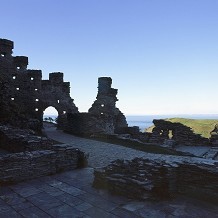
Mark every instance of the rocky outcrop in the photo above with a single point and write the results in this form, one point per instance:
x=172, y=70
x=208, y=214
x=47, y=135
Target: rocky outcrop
x=159, y=178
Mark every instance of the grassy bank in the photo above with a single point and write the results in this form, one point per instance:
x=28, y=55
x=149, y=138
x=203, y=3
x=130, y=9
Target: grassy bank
x=199, y=126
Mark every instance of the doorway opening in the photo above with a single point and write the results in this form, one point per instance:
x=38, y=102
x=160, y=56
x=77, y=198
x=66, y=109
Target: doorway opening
x=50, y=115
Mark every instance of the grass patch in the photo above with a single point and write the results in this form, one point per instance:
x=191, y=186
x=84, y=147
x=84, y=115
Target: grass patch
x=199, y=126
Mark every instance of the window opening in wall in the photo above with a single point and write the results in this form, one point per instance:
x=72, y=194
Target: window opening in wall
x=17, y=88
x=36, y=109
x=102, y=105
x=12, y=99
x=58, y=101
x=170, y=135
x=32, y=78
x=37, y=99
x=14, y=77
x=36, y=89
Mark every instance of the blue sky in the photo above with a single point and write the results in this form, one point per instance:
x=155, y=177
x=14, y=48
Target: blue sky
x=161, y=54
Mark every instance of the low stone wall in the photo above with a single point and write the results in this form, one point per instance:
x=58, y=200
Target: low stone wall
x=17, y=140
x=33, y=156
x=158, y=179
x=29, y=165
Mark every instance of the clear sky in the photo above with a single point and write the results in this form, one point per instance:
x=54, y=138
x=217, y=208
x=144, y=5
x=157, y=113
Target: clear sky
x=161, y=54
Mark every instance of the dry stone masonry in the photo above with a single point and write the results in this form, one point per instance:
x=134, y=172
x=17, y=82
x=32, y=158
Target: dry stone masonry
x=33, y=156
x=161, y=178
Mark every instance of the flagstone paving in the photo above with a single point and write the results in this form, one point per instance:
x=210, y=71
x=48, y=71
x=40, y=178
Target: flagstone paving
x=70, y=194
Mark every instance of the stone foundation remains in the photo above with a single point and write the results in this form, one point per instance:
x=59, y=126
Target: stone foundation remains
x=180, y=133
x=158, y=178
x=32, y=156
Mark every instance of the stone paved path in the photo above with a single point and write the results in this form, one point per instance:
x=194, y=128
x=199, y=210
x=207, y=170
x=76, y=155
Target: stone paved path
x=70, y=194
x=100, y=153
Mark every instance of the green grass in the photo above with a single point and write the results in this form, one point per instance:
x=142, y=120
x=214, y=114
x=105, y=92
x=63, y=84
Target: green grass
x=199, y=126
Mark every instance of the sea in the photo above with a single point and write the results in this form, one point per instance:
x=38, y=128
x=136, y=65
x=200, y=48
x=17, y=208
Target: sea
x=145, y=121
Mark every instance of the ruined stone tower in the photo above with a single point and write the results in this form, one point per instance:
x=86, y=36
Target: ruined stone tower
x=103, y=117
x=106, y=98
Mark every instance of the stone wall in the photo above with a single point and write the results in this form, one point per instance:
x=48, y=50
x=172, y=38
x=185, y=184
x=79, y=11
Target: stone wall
x=29, y=165
x=103, y=117
x=86, y=124
x=181, y=134
x=214, y=136
x=24, y=95
x=34, y=156
x=18, y=140
x=159, y=178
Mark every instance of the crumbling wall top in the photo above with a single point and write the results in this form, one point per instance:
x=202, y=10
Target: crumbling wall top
x=6, y=42
x=21, y=62
x=6, y=47
x=56, y=78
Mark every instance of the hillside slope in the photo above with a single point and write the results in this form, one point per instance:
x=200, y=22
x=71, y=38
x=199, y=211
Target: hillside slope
x=199, y=126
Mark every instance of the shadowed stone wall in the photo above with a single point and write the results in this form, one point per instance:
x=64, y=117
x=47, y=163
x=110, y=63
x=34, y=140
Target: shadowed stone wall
x=103, y=117
x=158, y=178
x=24, y=95
x=33, y=156
x=181, y=134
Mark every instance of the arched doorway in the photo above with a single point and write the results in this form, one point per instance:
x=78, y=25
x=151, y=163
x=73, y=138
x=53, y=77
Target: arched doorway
x=50, y=116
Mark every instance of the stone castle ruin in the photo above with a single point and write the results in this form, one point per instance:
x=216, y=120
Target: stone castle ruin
x=103, y=117
x=25, y=95
x=180, y=133
x=23, y=98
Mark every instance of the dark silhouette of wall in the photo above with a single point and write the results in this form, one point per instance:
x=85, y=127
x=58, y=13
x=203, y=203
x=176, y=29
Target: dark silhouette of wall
x=24, y=95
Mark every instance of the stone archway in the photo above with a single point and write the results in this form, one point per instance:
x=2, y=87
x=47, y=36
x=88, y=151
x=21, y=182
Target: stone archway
x=50, y=114
x=61, y=114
